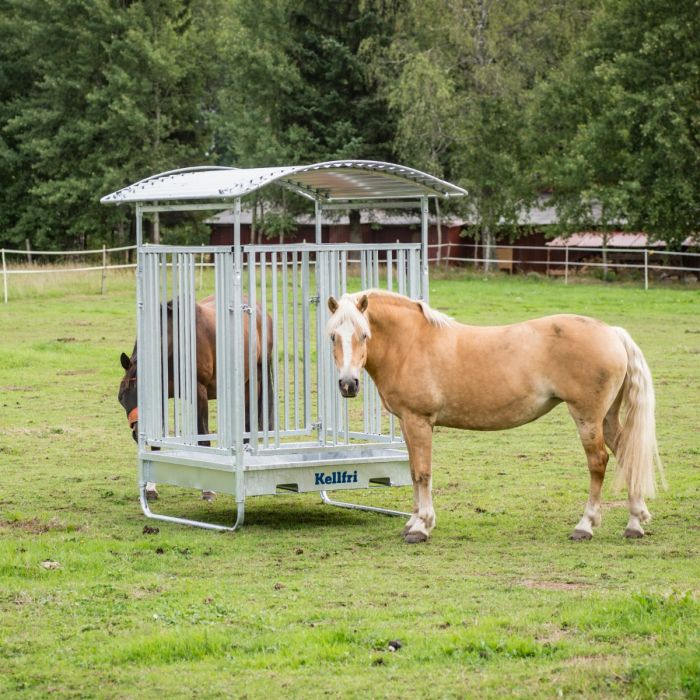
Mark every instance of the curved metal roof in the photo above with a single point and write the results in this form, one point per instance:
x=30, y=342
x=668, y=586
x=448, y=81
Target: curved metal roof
x=338, y=180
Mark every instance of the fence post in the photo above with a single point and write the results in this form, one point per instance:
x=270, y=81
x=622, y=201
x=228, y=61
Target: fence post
x=29, y=251
x=566, y=265
x=646, y=269
x=104, y=267
x=4, y=275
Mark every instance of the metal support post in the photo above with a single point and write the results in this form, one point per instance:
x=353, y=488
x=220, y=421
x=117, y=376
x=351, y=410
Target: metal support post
x=425, y=292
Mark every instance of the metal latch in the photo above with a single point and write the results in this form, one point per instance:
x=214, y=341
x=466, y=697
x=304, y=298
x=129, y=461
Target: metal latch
x=315, y=299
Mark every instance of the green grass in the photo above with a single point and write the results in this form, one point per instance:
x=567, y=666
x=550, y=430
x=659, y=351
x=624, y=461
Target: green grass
x=303, y=601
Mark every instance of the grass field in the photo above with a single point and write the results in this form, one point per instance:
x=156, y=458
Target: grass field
x=303, y=602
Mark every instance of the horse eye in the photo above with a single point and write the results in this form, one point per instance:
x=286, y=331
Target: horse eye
x=332, y=337
x=363, y=336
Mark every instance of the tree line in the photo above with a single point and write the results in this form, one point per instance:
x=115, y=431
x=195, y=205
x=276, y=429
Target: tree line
x=594, y=102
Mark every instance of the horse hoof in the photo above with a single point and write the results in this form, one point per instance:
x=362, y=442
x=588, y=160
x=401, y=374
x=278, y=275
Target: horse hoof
x=208, y=496
x=415, y=537
x=151, y=495
x=580, y=535
x=633, y=534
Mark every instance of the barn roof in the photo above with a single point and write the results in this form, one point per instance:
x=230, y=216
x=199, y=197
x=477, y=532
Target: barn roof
x=338, y=180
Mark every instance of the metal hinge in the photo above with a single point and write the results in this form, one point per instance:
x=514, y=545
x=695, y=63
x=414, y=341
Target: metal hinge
x=315, y=299
x=317, y=426
x=247, y=309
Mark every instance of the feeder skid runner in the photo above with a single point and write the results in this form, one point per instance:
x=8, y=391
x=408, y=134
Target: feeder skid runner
x=279, y=424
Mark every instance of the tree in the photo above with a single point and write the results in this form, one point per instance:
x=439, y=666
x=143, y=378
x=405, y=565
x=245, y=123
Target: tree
x=459, y=77
x=622, y=119
x=113, y=91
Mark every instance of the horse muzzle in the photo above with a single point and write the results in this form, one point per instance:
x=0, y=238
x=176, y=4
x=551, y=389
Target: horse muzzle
x=133, y=418
x=349, y=387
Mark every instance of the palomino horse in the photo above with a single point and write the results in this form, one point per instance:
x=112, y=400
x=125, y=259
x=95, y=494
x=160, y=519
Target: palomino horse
x=431, y=370
x=205, y=322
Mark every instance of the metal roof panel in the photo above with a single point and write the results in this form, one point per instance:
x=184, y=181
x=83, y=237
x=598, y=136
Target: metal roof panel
x=326, y=182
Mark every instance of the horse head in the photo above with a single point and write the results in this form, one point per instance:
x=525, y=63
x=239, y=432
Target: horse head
x=128, y=396
x=348, y=329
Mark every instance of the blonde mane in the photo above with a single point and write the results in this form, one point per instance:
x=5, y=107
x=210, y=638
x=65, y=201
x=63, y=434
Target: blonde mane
x=347, y=310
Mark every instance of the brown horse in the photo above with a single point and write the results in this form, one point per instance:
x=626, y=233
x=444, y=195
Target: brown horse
x=205, y=329
x=431, y=370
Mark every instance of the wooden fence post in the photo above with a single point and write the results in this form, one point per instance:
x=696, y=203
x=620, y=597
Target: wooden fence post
x=104, y=267
x=4, y=275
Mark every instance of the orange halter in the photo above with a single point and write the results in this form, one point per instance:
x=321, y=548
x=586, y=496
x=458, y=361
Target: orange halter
x=133, y=417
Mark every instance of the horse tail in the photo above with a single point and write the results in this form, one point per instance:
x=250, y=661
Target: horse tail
x=636, y=450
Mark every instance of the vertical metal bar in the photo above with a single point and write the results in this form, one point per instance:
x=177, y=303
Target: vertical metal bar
x=424, y=294
x=566, y=265
x=306, y=335
x=177, y=393
x=295, y=335
x=343, y=274
x=237, y=354
x=285, y=336
x=389, y=271
x=335, y=396
x=401, y=270
x=265, y=359
x=252, y=351
x=164, y=340
x=318, y=221
x=274, y=389
x=140, y=379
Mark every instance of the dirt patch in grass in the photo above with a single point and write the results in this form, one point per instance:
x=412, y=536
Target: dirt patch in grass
x=34, y=526
x=73, y=372
x=554, y=585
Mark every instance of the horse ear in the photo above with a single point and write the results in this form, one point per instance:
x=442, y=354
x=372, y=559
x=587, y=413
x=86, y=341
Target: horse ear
x=332, y=305
x=125, y=361
x=362, y=304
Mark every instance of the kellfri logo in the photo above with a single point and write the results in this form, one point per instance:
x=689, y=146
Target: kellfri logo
x=323, y=479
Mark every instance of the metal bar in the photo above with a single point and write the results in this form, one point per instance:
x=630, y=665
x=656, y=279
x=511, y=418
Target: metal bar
x=357, y=506
x=240, y=515
x=253, y=378
x=295, y=336
x=306, y=335
x=318, y=226
x=218, y=206
x=425, y=292
x=265, y=360
x=285, y=337
x=274, y=390
x=163, y=273
x=237, y=354
x=373, y=204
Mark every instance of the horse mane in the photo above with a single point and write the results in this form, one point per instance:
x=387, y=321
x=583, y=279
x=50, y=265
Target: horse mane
x=432, y=316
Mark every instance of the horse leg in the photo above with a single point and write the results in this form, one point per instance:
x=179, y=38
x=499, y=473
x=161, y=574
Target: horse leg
x=414, y=515
x=203, y=427
x=591, y=433
x=419, y=436
x=637, y=507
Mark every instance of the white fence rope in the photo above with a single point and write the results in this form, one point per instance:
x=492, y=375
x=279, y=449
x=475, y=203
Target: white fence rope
x=551, y=260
